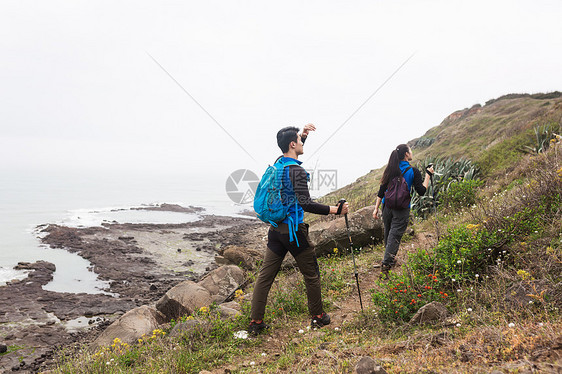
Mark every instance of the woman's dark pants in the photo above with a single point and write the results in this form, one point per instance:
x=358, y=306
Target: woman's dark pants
x=395, y=223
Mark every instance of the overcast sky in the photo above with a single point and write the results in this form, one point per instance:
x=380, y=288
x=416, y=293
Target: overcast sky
x=78, y=85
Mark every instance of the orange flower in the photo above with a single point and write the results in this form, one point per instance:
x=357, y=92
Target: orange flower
x=419, y=295
x=445, y=295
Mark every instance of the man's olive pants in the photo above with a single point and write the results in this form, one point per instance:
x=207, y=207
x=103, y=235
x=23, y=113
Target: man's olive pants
x=277, y=247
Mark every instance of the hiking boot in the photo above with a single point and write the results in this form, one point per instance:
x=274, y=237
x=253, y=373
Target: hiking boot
x=323, y=320
x=384, y=271
x=257, y=328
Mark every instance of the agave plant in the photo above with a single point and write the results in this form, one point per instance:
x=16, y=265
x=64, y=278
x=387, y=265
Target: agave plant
x=543, y=134
x=447, y=171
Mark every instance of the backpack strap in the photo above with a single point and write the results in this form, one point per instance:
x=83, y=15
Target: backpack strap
x=293, y=224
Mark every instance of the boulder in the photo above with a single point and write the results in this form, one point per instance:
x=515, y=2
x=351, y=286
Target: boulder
x=232, y=305
x=222, y=282
x=367, y=365
x=432, y=312
x=183, y=327
x=131, y=326
x=185, y=298
x=363, y=228
x=246, y=258
x=227, y=313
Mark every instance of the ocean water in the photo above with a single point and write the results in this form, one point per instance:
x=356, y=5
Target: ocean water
x=89, y=198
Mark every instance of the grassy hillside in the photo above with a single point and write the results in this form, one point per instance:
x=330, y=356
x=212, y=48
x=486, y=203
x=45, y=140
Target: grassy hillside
x=494, y=136
x=494, y=263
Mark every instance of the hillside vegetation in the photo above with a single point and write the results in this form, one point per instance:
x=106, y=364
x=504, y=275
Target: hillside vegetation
x=491, y=253
x=494, y=136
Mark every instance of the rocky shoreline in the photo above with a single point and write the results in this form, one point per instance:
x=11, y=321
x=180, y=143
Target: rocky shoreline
x=141, y=262
x=144, y=264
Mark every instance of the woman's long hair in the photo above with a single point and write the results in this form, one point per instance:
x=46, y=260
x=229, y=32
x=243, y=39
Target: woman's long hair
x=393, y=167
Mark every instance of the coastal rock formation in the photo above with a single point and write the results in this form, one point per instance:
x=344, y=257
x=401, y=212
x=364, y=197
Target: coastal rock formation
x=39, y=320
x=222, y=282
x=185, y=298
x=131, y=326
x=333, y=234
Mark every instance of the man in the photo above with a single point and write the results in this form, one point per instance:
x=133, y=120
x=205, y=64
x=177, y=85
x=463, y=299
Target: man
x=280, y=239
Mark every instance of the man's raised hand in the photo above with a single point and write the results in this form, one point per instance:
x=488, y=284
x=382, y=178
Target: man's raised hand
x=307, y=128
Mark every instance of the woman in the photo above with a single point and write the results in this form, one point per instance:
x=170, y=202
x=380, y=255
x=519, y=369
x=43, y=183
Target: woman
x=396, y=219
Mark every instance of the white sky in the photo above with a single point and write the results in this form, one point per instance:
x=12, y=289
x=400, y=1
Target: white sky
x=77, y=86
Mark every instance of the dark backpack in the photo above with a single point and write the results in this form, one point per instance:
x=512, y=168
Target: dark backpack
x=397, y=195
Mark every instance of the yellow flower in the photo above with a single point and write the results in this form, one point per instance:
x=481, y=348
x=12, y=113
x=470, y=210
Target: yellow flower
x=472, y=227
x=204, y=309
x=239, y=294
x=188, y=318
x=523, y=274
x=559, y=172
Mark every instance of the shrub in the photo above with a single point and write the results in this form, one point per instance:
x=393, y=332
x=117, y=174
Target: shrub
x=461, y=194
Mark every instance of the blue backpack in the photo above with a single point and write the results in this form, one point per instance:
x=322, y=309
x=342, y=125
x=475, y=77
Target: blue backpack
x=268, y=202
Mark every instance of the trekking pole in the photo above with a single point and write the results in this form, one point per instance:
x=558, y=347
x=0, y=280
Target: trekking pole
x=342, y=201
x=433, y=203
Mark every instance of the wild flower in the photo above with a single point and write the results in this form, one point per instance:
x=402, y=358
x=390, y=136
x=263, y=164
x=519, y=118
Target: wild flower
x=239, y=294
x=511, y=325
x=469, y=310
x=523, y=274
x=459, y=261
x=335, y=251
x=203, y=309
x=301, y=331
x=458, y=325
x=473, y=227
